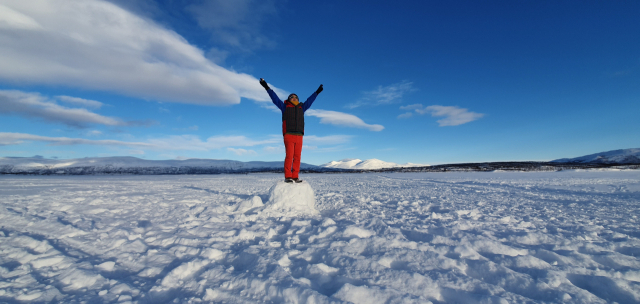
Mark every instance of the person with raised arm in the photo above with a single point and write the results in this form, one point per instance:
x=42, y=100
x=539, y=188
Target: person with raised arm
x=292, y=128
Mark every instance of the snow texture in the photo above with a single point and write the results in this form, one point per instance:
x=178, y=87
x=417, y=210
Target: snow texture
x=508, y=237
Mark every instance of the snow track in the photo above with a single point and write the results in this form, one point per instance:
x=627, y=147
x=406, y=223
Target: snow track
x=569, y=237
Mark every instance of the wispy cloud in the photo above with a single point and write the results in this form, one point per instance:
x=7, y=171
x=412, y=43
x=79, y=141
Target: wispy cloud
x=192, y=128
x=274, y=149
x=405, y=115
x=7, y=139
x=181, y=142
x=242, y=151
x=86, y=103
x=384, y=95
x=235, y=144
x=94, y=44
x=453, y=116
x=94, y=133
x=194, y=143
x=343, y=119
x=327, y=140
x=34, y=105
x=412, y=107
x=236, y=24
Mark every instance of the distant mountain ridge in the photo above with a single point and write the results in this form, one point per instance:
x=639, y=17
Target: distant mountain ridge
x=369, y=164
x=621, y=156
x=134, y=165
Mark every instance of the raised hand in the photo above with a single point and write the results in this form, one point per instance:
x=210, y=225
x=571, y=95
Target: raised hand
x=264, y=84
x=319, y=89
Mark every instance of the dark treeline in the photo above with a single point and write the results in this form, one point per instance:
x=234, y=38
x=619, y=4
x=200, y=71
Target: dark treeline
x=509, y=166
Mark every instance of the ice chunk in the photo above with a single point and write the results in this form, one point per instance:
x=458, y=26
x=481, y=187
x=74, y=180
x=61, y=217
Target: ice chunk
x=291, y=199
x=47, y=262
x=284, y=261
x=328, y=222
x=107, y=266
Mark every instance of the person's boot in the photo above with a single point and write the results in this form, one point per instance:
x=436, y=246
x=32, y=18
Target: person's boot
x=297, y=180
x=288, y=180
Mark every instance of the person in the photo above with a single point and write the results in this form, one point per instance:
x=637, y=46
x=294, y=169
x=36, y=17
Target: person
x=292, y=128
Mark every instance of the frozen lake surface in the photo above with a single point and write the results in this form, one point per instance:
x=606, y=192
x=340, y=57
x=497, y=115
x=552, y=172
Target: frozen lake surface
x=570, y=237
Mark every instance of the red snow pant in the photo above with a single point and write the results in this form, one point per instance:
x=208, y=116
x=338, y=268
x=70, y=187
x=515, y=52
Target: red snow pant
x=293, y=145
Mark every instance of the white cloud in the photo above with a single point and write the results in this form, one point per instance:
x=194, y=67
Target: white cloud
x=405, y=115
x=33, y=105
x=93, y=44
x=181, y=142
x=384, y=95
x=87, y=103
x=242, y=151
x=7, y=139
x=186, y=143
x=454, y=116
x=10, y=18
x=343, y=119
x=272, y=149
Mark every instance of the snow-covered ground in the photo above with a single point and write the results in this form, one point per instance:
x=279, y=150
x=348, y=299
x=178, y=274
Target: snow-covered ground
x=571, y=237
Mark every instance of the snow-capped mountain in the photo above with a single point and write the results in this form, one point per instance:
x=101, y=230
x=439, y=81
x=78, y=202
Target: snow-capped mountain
x=369, y=164
x=133, y=165
x=622, y=156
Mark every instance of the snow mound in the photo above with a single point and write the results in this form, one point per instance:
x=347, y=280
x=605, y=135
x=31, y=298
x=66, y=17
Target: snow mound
x=291, y=199
x=347, y=163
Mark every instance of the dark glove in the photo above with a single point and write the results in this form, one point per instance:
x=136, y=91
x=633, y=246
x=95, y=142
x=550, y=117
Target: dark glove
x=319, y=90
x=264, y=84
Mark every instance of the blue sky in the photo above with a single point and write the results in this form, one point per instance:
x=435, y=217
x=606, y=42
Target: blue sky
x=427, y=82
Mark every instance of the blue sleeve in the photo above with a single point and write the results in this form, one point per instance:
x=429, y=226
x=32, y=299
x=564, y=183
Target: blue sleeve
x=276, y=100
x=307, y=104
